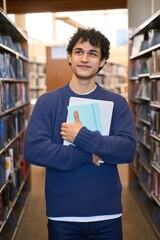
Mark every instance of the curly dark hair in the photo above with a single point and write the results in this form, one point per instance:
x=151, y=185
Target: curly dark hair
x=96, y=39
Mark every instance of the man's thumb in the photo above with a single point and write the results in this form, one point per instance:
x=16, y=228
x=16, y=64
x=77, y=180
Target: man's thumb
x=76, y=116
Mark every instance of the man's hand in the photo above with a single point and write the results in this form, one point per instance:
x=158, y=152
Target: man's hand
x=70, y=130
x=96, y=160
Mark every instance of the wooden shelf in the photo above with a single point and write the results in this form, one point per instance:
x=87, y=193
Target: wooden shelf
x=113, y=77
x=144, y=99
x=14, y=115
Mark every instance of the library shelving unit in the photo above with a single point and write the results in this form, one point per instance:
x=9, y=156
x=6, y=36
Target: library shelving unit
x=14, y=114
x=144, y=99
x=37, y=79
x=113, y=77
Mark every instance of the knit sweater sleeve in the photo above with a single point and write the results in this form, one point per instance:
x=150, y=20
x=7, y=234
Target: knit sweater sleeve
x=41, y=148
x=119, y=147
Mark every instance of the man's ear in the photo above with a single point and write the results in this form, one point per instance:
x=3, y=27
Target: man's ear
x=69, y=59
x=102, y=63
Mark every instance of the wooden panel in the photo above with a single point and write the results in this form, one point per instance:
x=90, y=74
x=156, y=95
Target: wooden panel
x=33, y=6
x=58, y=71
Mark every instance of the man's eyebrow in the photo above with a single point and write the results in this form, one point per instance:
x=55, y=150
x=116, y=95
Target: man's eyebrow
x=91, y=50
x=78, y=48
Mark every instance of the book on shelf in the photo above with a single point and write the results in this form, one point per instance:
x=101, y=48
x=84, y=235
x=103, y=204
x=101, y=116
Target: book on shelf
x=144, y=112
x=135, y=69
x=1, y=42
x=154, y=90
x=158, y=91
x=146, y=180
x=144, y=155
x=5, y=199
x=3, y=132
x=18, y=47
x=155, y=147
x=155, y=122
x=155, y=63
x=144, y=45
x=136, y=44
x=1, y=210
x=7, y=41
x=145, y=134
x=102, y=113
x=155, y=37
x=155, y=93
x=144, y=89
x=2, y=170
x=8, y=167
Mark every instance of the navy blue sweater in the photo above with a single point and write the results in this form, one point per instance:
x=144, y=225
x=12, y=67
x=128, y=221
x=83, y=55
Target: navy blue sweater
x=74, y=186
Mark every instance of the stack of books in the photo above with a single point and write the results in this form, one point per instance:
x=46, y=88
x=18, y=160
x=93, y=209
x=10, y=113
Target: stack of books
x=95, y=115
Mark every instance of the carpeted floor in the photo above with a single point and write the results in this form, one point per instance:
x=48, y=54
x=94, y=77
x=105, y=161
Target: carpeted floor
x=33, y=224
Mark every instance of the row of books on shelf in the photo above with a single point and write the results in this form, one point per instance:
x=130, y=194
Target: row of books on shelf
x=114, y=69
x=141, y=42
x=11, y=125
x=146, y=88
x=12, y=95
x=147, y=65
x=110, y=80
x=141, y=89
x=37, y=81
x=12, y=67
x=38, y=68
x=149, y=123
x=13, y=170
x=10, y=160
x=16, y=46
x=143, y=113
x=9, y=191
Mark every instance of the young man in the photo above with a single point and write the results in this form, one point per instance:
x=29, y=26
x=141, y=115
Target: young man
x=83, y=196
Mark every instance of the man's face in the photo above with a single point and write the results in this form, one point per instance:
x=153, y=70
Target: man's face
x=85, y=60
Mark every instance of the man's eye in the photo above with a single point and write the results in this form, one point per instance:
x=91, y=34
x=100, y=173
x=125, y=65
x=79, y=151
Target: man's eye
x=93, y=54
x=78, y=52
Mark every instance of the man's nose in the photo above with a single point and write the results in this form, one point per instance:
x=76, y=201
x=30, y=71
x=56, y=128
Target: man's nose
x=85, y=57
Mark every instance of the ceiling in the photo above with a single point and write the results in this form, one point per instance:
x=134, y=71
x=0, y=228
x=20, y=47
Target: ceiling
x=37, y=6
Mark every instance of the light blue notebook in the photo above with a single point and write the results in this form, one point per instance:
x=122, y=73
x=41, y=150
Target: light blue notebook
x=103, y=114
x=89, y=115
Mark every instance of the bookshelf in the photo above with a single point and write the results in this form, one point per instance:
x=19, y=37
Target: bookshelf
x=113, y=77
x=14, y=114
x=144, y=99
x=37, y=79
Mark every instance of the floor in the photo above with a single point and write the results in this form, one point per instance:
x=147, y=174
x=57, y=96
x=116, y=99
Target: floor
x=33, y=224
